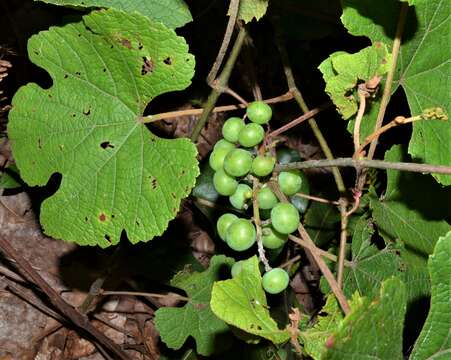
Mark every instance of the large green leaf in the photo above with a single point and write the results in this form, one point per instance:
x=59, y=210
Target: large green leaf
x=250, y=9
x=195, y=318
x=241, y=302
x=411, y=214
x=423, y=69
x=373, y=329
x=370, y=266
x=172, y=13
x=435, y=338
x=116, y=175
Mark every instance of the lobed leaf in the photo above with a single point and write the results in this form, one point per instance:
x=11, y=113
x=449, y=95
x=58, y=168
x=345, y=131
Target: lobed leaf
x=241, y=302
x=195, y=318
x=434, y=341
x=172, y=13
x=116, y=175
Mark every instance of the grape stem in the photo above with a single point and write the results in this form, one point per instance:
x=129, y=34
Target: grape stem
x=365, y=163
x=316, y=198
x=316, y=255
x=144, y=294
x=255, y=208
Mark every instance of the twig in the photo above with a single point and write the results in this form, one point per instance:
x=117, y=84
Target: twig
x=145, y=294
x=233, y=11
x=237, y=96
x=389, y=82
x=364, y=163
x=290, y=262
x=196, y=112
x=343, y=237
x=358, y=120
x=317, y=199
x=250, y=68
x=320, y=251
x=308, y=115
x=312, y=122
x=220, y=83
x=255, y=208
x=77, y=318
x=315, y=253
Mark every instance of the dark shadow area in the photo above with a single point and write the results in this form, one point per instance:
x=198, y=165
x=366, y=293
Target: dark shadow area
x=416, y=315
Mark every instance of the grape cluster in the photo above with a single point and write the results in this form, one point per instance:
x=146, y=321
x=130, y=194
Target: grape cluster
x=235, y=159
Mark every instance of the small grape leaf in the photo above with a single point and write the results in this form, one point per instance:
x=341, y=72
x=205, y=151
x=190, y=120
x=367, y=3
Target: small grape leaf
x=435, y=338
x=411, y=217
x=172, y=13
x=241, y=302
x=373, y=329
x=250, y=9
x=195, y=318
x=329, y=318
x=370, y=266
x=116, y=175
x=423, y=66
x=343, y=72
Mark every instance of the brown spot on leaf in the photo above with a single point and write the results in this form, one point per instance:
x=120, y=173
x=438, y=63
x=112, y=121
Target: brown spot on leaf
x=66, y=76
x=39, y=143
x=330, y=342
x=78, y=73
x=140, y=46
x=173, y=195
x=200, y=306
x=168, y=61
x=127, y=43
x=147, y=66
x=87, y=111
x=153, y=182
x=102, y=217
x=86, y=218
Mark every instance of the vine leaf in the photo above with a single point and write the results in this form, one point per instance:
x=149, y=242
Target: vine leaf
x=195, y=318
x=401, y=220
x=321, y=222
x=172, y=13
x=342, y=73
x=373, y=329
x=241, y=302
x=250, y=9
x=370, y=265
x=435, y=338
x=423, y=66
x=315, y=338
x=116, y=175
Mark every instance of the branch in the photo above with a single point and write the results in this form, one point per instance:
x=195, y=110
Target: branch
x=255, y=208
x=343, y=236
x=220, y=83
x=377, y=164
x=77, y=318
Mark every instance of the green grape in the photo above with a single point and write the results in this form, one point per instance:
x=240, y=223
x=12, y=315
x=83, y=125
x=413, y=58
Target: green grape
x=285, y=218
x=241, y=235
x=223, y=143
x=266, y=198
x=290, y=182
x=240, y=197
x=275, y=281
x=251, y=135
x=231, y=129
x=259, y=112
x=263, y=165
x=217, y=157
x=223, y=224
x=236, y=268
x=286, y=155
x=273, y=239
x=238, y=162
x=224, y=183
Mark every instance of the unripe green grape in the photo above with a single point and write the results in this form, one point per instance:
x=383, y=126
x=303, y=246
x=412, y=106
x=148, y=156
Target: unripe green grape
x=272, y=239
x=238, y=162
x=266, y=198
x=285, y=218
x=259, y=112
x=240, y=197
x=236, y=268
x=251, y=135
x=241, y=235
x=223, y=143
x=217, y=157
x=286, y=155
x=263, y=165
x=224, y=183
x=223, y=224
x=290, y=182
x=231, y=129
x=275, y=281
